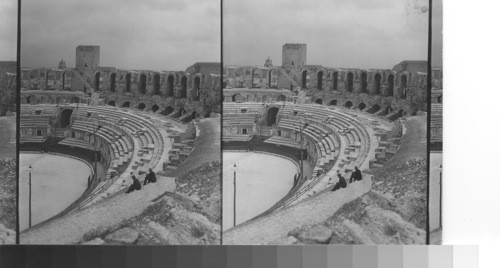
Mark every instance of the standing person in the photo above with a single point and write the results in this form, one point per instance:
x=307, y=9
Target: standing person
x=136, y=185
x=356, y=175
x=150, y=177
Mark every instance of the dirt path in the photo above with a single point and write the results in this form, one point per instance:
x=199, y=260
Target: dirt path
x=71, y=228
x=311, y=211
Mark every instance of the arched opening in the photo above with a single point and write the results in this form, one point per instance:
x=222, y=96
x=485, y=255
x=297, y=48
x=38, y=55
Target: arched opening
x=403, y=84
x=156, y=84
x=335, y=78
x=196, y=88
x=128, y=79
x=167, y=111
x=142, y=84
x=271, y=116
x=97, y=81
x=42, y=99
x=112, y=103
x=333, y=102
x=66, y=117
x=440, y=99
x=126, y=104
x=59, y=100
x=155, y=108
x=183, y=87
x=348, y=104
x=194, y=115
x=318, y=101
x=320, y=80
x=375, y=108
x=281, y=98
x=29, y=99
x=250, y=98
x=390, y=85
x=170, y=86
x=364, y=82
x=112, y=82
x=350, y=82
x=64, y=80
x=376, y=85
x=237, y=97
x=362, y=106
x=75, y=100
x=269, y=78
x=141, y=106
x=304, y=79
x=252, y=81
x=265, y=98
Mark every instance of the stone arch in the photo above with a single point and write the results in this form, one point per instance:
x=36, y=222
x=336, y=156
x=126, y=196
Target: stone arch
x=348, y=104
x=112, y=103
x=304, y=79
x=64, y=79
x=272, y=116
x=97, y=81
x=402, y=86
x=167, y=111
x=142, y=84
x=30, y=99
x=335, y=78
x=364, y=82
x=126, y=104
x=183, y=87
x=237, y=97
x=376, y=85
x=320, y=80
x=350, y=82
x=128, y=79
x=170, y=86
x=112, y=82
x=155, y=108
x=75, y=100
x=333, y=103
x=265, y=98
x=196, y=88
x=141, y=106
x=156, y=84
x=281, y=98
x=59, y=100
x=390, y=85
x=318, y=101
x=66, y=117
x=250, y=97
x=362, y=106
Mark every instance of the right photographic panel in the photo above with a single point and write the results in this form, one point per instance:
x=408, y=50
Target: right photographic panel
x=325, y=122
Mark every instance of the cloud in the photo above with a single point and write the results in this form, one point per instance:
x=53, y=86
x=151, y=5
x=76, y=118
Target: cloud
x=152, y=35
x=8, y=30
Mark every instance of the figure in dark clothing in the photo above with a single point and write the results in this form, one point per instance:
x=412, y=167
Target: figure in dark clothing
x=136, y=185
x=150, y=177
x=341, y=183
x=356, y=175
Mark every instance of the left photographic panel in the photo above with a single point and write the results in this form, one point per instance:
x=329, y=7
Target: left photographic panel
x=120, y=122
x=8, y=70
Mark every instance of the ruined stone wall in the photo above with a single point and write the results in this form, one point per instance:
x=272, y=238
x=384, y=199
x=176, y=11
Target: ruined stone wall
x=205, y=68
x=257, y=95
x=87, y=58
x=8, y=87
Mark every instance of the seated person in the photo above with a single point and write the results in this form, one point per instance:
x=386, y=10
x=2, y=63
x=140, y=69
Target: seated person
x=150, y=177
x=341, y=183
x=136, y=185
x=356, y=175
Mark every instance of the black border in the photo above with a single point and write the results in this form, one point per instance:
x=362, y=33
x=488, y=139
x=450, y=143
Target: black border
x=429, y=103
x=18, y=112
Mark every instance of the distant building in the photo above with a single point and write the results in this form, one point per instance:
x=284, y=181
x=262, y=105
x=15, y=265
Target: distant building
x=268, y=63
x=294, y=55
x=62, y=65
x=411, y=66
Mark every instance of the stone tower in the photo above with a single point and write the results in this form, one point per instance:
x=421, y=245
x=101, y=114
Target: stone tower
x=268, y=63
x=62, y=65
x=294, y=55
x=87, y=58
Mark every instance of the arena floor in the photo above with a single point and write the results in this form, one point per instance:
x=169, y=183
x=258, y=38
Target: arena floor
x=57, y=182
x=261, y=181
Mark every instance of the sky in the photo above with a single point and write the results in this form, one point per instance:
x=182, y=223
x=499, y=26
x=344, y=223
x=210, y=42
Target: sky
x=144, y=35
x=8, y=30
x=437, y=33
x=338, y=33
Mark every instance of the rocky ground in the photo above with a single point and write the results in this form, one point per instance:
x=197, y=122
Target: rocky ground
x=7, y=180
x=392, y=212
